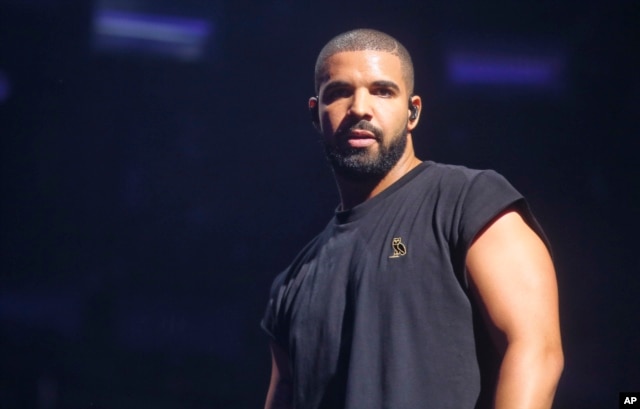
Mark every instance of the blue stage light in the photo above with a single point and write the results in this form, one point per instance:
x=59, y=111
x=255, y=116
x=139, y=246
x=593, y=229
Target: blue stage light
x=124, y=31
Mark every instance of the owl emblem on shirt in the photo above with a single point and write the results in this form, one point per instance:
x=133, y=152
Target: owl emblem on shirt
x=399, y=249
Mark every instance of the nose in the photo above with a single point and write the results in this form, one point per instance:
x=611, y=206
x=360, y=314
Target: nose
x=360, y=104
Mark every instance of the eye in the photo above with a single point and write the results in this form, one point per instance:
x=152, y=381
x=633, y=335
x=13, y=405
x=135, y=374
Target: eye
x=384, y=92
x=333, y=94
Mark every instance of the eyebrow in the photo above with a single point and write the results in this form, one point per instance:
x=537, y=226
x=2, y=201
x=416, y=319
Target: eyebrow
x=386, y=84
x=337, y=84
x=379, y=84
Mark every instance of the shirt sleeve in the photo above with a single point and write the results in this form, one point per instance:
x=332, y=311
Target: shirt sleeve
x=489, y=194
x=269, y=322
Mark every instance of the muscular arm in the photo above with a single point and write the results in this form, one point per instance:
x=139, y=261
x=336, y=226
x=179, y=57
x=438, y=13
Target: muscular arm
x=279, y=395
x=514, y=278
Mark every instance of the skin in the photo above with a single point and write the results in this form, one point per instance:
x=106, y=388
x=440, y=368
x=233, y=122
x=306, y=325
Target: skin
x=367, y=86
x=515, y=282
x=512, y=276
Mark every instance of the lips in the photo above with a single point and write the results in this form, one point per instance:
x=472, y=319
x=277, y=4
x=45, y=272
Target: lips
x=360, y=134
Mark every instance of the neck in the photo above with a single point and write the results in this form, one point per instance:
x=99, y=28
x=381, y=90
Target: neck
x=352, y=193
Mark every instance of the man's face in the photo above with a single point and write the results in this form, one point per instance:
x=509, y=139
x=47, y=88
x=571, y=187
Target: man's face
x=363, y=108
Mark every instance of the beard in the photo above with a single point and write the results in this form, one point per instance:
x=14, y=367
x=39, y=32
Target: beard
x=363, y=164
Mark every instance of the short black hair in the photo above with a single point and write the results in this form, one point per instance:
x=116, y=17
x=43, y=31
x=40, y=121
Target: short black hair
x=360, y=40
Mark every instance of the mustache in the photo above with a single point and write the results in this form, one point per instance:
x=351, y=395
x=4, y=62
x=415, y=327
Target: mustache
x=360, y=125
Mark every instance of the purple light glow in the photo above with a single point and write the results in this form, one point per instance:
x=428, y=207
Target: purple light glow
x=180, y=37
x=5, y=87
x=501, y=69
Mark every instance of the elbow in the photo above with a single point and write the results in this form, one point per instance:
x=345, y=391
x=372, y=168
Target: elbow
x=544, y=361
x=555, y=362
x=551, y=371
x=550, y=364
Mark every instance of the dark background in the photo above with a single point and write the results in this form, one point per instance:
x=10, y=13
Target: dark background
x=149, y=199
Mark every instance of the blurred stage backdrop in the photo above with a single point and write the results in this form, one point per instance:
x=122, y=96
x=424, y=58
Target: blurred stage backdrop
x=159, y=169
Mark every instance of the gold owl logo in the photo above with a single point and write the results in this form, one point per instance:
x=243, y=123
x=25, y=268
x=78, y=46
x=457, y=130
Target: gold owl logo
x=399, y=249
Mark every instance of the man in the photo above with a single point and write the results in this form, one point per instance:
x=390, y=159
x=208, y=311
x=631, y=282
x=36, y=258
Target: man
x=432, y=287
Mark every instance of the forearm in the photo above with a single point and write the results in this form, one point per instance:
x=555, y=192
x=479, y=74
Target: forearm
x=279, y=396
x=528, y=376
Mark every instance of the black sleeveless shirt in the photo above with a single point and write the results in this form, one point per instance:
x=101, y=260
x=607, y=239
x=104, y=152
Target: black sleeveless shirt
x=375, y=311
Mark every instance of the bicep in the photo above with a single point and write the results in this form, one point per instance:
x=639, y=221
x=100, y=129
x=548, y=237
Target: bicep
x=513, y=275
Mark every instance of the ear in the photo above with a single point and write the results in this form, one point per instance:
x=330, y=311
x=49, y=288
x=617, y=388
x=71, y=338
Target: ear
x=313, y=111
x=414, y=111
